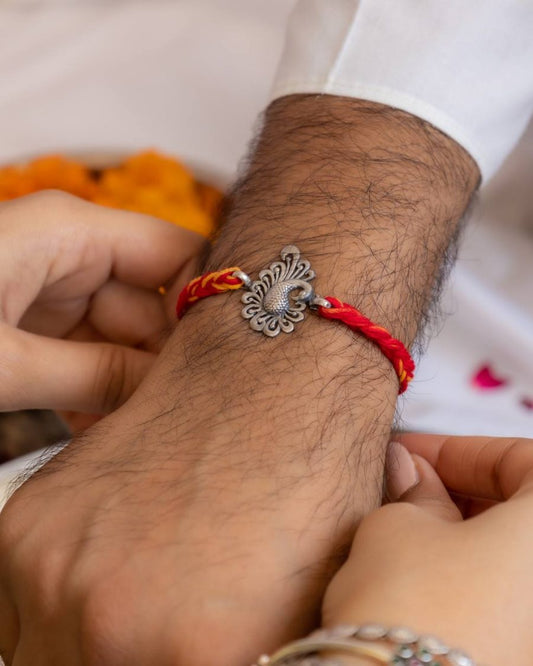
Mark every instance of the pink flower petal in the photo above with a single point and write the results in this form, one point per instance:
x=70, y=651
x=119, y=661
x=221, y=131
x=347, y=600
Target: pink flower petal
x=485, y=379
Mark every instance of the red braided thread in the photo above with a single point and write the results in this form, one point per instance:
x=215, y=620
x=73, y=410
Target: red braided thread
x=221, y=281
x=206, y=285
x=393, y=349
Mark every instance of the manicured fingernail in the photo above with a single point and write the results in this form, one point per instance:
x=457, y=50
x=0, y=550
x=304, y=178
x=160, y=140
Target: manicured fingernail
x=401, y=472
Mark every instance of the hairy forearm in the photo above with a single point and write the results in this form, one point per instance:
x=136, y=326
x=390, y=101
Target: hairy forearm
x=372, y=197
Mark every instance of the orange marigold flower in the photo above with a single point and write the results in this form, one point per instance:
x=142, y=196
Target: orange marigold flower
x=52, y=172
x=147, y=182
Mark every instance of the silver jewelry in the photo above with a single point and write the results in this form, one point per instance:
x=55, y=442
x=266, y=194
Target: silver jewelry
x=313, y=661
x=396, y=646
x=278, y=298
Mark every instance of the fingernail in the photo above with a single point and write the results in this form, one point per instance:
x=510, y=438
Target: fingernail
x=401, y=472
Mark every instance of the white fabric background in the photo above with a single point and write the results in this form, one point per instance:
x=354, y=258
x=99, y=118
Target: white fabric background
x=190, y=77
x=489, y=302
x=187, y=75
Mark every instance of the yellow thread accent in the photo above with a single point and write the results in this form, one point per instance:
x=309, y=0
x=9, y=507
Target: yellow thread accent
x=228, y=287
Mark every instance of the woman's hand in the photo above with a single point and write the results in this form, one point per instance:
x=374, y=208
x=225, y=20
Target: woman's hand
x=419, y=563
x=80, y=314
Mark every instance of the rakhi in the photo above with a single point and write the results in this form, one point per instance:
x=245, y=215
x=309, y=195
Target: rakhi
x=278, y=299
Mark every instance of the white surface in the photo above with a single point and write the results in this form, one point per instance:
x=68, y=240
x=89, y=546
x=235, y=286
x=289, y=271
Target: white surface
x=490, y=305
x=190, y=77
x=187, y=75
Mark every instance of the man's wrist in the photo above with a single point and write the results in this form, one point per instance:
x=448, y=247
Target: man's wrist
x=371, y=195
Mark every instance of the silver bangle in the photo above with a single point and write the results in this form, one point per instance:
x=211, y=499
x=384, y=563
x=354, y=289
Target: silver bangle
x=397, y=646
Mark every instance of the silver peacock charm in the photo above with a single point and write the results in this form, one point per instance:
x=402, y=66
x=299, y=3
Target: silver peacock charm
x=278, y=298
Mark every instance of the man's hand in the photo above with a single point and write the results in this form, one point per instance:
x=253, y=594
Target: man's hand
x=200, y=523
x=80, y=315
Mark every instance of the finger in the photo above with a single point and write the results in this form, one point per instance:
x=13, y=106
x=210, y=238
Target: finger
x=50, y=237
x=129, y=315
x=490, y=468
x=154, y=250
x=430, y=493
x=470, y=506
x=84, y=332
x=401, y=473
x=46, y=373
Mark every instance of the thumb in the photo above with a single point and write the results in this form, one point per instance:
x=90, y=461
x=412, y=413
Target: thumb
x=46, y=373
x=412, y=479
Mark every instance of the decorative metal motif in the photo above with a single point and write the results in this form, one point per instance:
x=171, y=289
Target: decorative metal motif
x=278, y=299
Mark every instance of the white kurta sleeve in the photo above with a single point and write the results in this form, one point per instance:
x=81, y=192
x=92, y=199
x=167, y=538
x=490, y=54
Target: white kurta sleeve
x=465, y=66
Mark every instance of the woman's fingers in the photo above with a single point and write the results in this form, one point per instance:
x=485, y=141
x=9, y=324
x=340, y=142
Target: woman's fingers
x=130, y=316
x=68, y=265
x=38, y=372
x=117, y=312
x=401, y=473
x=63, y=249
x=412, y=479
x=431, y=494
x=146, y=252
x=492, y=468
x=471, y=506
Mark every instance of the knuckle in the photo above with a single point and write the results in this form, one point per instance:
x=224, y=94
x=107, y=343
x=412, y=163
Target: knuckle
x=516, y=452
x=54, y=200
x=394, y=513
x=445, y=509
x=46, y=203
x=53, y=207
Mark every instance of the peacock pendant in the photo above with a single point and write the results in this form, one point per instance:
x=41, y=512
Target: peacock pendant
x=279, y=297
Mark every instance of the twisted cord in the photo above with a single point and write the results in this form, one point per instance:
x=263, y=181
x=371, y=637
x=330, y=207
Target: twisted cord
x=390, y=347
x=207, y=285
x=393, y=349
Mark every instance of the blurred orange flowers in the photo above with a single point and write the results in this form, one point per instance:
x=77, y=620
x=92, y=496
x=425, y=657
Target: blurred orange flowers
x=147, y=182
